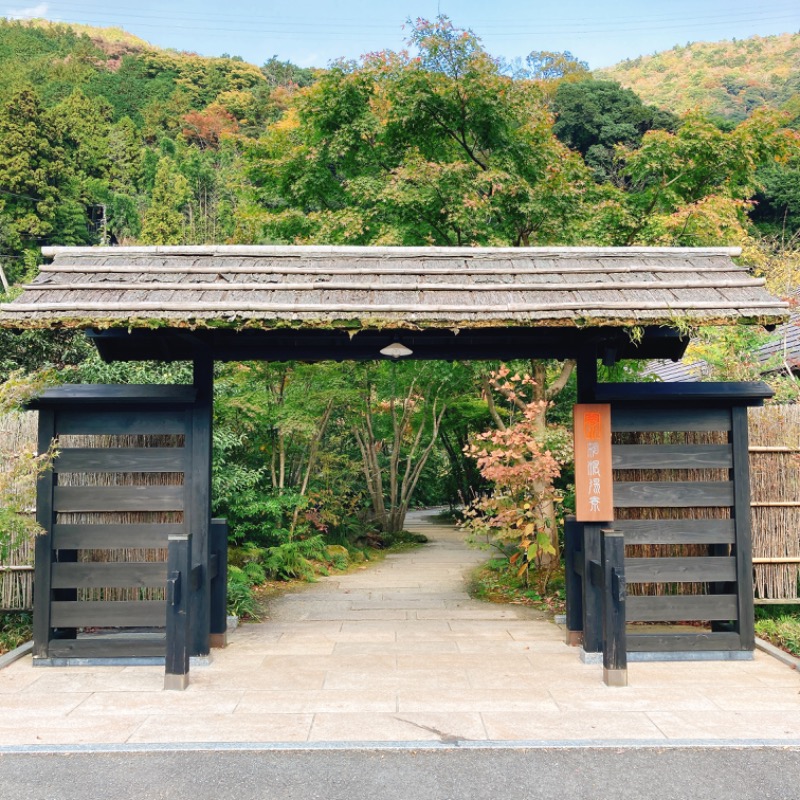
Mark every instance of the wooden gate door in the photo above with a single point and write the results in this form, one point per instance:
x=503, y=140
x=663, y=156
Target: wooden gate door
x=681, y=497
x=120, y=485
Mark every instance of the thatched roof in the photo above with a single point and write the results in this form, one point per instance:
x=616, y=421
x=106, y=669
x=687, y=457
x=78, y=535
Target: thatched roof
x=374, y=288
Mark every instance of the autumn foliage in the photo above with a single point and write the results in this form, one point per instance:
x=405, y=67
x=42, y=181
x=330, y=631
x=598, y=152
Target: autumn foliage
x=206, y=128
x=521, y=464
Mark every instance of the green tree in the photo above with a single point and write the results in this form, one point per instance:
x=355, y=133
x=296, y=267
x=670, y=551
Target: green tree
x=284, y=73
x=32, y=169
x=593, y=116
x=545, y=66
x=435, y=148
x=395, y=422
x=693, y=187
x=164, y=221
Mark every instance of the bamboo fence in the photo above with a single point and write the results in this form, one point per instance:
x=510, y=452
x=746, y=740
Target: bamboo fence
x=117, y=555
x=17, y=434
x=775, y=499
x=669, y=475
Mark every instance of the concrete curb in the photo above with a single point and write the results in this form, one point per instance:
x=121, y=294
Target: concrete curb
x=785, y=658
x=16, y=654
x=656, y=745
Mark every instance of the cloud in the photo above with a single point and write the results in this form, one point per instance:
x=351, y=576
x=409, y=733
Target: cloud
x=32, y=12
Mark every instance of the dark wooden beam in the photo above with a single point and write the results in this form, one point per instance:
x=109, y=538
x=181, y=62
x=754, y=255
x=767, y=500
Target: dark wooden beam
x=684, y=393
x=365, y=345
x=573, y=562
x=199, y=506
x=592, y=593
x=615, y=655
x=743, y=550
x=587, y=375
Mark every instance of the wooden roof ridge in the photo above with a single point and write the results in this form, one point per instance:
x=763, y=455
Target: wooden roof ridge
x=383, y=252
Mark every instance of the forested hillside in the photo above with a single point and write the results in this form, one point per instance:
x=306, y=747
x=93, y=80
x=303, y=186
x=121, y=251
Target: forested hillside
x=723, y=79
x=105, y=138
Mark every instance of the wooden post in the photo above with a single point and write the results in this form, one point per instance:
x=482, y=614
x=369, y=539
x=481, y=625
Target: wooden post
x=615, y=655
x=573, y=572
x=42, y=630
x=743, y=548
x=218, y=567
x=179, y=567
x=587, y=376
x=592, y=589
x=199, y=521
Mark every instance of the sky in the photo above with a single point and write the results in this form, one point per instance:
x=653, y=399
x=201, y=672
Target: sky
x=316, y=32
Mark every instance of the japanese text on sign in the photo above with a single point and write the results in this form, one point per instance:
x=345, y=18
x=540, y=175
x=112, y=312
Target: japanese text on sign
x=593, y=475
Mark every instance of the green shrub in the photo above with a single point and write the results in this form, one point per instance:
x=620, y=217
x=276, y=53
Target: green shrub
x=255, y=573
x=16, y=628
x=245, y=554
x=783, y=632
x=241, y=598
x=404, y=537
x=340, y=562
x=291, y=559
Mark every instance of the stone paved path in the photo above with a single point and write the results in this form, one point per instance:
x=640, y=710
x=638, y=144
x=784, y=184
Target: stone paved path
x=398, y=652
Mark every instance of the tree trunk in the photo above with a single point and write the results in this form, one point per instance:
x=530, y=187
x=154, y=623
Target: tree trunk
x=402, y=481
x=312, y=456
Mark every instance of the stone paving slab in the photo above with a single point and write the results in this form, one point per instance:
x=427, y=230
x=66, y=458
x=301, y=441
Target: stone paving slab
x=399, y=652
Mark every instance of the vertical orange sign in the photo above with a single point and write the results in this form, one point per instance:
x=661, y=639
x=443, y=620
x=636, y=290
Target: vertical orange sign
x=594, y=480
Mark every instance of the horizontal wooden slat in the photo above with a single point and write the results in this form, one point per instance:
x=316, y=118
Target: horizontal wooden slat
x=682, y=642
x=92, y=423
x=107, y=647
x=92, y=576
x=696, y=569
x=108, y=614
x=122, y=394
x=118, y=498
x=672, y=494
x=656, y=419
x=676, y=531
x=770, y=601
x=120, y=459
x=777, y=449
x=680, y=608
x=682, y=394
x=99, y=537
x=671, y=456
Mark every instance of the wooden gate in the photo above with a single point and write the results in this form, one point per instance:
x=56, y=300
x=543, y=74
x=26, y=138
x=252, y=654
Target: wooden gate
x=120, y=485
x=682, y=505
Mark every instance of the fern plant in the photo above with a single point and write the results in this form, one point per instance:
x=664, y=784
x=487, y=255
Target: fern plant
x=241, y=598
x=292, y=558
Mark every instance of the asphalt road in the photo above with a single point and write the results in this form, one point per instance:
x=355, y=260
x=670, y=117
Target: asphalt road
x=407, y=773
